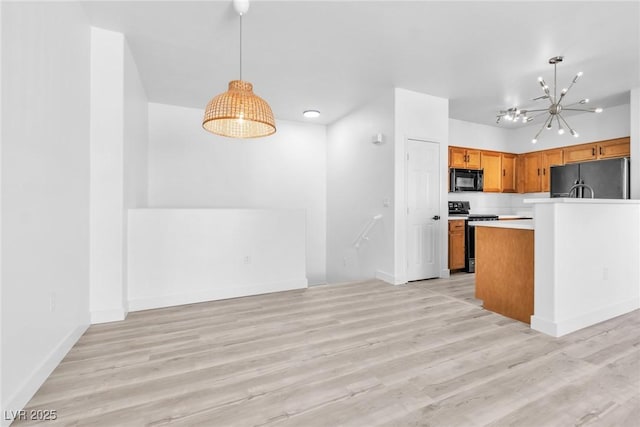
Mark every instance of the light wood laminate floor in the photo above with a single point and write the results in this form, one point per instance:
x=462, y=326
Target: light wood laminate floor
x=359, y=354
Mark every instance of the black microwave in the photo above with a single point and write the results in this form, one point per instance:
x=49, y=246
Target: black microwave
x=466, y=179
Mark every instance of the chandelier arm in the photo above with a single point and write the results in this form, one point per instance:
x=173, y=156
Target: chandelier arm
x=566, y=91
x=560, y=131
x=535, y=111
x=572, y=130
x=544, y=125
x=588, y=110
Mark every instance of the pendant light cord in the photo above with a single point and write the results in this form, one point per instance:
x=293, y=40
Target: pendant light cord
x=240, y=46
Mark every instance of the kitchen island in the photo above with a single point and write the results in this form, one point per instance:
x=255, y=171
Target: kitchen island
x=505, y=267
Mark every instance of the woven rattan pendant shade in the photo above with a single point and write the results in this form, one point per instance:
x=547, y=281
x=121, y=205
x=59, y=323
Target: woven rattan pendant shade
x=239, y=113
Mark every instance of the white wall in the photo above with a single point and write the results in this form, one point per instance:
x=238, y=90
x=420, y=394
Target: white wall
x=422, y=117
x=2, y=407
x=182, y=256
x=634, y=131
x=119, y=139
x=359, y=184
x=467, y=134
x=136, y=153
x=191, y=168
x=45, y=191
x=107, y=271
x=136, y=134
x=611, y=123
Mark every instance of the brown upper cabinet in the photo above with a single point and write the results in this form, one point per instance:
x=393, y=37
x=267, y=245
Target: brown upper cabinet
x=509, y=175
x=537, y=173
x=611, y=148
x=532, y=172
x=499, y=172
x=464, y=158
x=550, y=158
x=492, y=166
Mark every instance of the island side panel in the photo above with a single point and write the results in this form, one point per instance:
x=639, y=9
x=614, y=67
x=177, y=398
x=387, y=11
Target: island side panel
x=504, y=271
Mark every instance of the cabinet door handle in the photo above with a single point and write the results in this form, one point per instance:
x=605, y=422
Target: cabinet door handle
x=601, y=151
x=593, y=151
x=544, y=171
x=538, y=171
x=504, y=172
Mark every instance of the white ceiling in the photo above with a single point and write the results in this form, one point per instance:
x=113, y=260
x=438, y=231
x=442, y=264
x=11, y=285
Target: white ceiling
x=336, y=55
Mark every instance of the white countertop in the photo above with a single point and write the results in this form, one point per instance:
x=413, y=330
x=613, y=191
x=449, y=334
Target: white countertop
x=520, y=224
x=509, y=217
x=584, y=201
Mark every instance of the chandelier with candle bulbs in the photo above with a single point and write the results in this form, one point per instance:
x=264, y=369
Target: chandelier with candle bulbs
x=555, y=109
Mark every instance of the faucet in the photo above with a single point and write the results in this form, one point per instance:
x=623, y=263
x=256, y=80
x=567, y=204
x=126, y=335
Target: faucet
x=581, y=185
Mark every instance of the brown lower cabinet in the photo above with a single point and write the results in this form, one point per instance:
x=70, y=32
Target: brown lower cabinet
x=456, y=244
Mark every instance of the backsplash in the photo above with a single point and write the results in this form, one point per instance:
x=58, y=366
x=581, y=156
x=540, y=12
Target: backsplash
x=498, y=203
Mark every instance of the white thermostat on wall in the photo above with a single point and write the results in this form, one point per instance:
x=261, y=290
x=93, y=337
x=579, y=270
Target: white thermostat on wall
x=378, y=138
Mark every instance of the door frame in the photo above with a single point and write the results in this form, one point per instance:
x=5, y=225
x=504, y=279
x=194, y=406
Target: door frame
x=401, y=218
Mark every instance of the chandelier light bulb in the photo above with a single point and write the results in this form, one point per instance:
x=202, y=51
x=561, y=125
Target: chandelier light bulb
x=561, y=131
x=564, y=90
x=584, y=101
x=549, y=125
x=574, y=133
x=598, y=110
x=534, y=140
x=575, y=79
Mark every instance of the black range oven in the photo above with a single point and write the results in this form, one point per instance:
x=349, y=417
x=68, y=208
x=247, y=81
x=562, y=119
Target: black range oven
x=460, y=209
x=470, y=240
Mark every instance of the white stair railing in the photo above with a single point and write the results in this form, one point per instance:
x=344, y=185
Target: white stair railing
x=364, y=234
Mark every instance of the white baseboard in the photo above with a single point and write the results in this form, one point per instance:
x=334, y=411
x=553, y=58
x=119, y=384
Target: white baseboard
x=445, y=273
x=226, y=292
x=564, y=327
x=545, y=326
x=111, y=315
x=385, y=277
x=389, y=278
x=31, y=385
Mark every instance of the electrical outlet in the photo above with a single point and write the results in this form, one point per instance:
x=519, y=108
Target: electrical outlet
x=247, y=259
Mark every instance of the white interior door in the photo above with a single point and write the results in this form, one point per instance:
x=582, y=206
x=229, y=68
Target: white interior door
x=423, y=210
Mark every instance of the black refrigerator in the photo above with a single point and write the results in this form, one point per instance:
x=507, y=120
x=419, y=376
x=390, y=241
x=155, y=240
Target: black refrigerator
x=609, y=179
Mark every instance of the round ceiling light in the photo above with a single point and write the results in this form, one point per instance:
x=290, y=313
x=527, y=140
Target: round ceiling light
x=311, y=114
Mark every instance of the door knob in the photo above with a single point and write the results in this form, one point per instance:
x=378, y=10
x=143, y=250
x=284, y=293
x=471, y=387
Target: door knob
x=436, y=217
